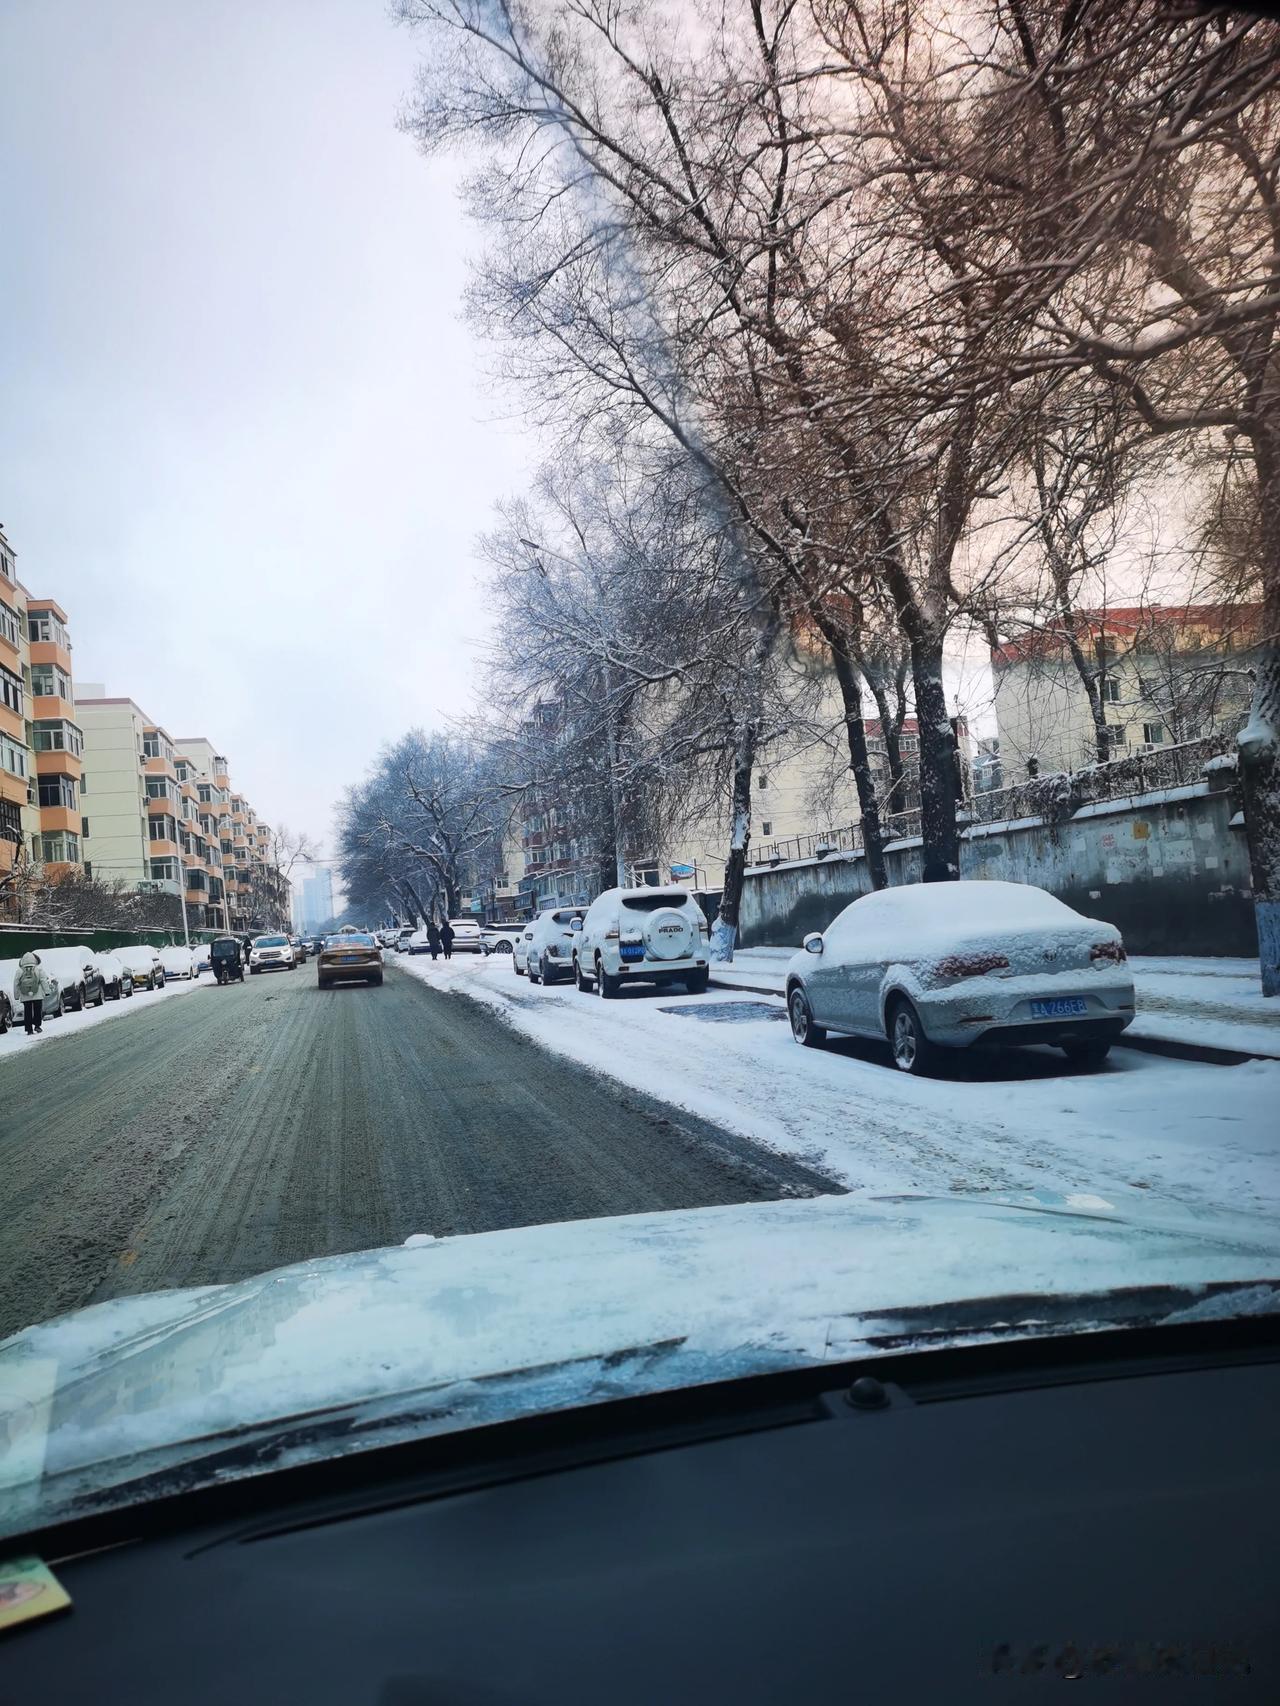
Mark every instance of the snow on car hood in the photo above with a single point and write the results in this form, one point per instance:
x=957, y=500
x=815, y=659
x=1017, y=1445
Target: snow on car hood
x=494, y=1325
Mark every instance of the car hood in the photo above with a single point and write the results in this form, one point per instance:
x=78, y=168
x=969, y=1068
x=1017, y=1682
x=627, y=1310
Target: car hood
x=441, y=1334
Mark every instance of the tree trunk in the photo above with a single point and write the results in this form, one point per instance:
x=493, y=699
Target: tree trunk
x=420, y=911
x=891, y=728
x=1260, y=785
x=724, y=932
x=860, y=764
x=938, y=827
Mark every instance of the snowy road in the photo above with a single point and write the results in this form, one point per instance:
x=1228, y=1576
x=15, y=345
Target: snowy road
x=205, y=1139
x=1205, y=1135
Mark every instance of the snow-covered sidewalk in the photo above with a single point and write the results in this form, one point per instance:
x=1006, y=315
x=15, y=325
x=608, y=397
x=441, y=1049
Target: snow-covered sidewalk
x=1206, y=1002
x=16, y=1041
x=1145, y=1126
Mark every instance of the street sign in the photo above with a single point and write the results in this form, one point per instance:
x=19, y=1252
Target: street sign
x=477, y=905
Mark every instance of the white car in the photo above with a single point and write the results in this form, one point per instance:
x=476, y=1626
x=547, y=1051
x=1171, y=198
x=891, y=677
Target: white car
x=403, y=938
x=116, y=977
x=548, y=954
x=466, y=936
x=951, y=965
x=520, y=949
x=271, y=953
x=179, y=964
x=418, y=942
x=144, y=962
x=201, y=952
x=645, y=935
x=501, y=938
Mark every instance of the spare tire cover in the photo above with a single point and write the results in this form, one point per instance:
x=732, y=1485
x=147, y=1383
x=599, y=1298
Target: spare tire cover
x=668, y=934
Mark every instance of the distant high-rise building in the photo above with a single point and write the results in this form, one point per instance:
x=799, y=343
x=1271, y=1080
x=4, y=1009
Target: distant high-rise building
x=315, y=904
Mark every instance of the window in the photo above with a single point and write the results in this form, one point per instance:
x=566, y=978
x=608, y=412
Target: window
x=1109, y=690
x=156, y=746
x=159, y=788
x=10, y=627
x=7, y=568
x=766, y=828
x=1116, y=735
x=88, y=868
x=11, y=822
x=84, y=829
x=1153, y=734
x=50, y=682
x=13, y=758
x=56, y=735
x=11, y=689
x=206, y=793
x=44, y=625
x=1147, y=687
x=164, y=870
x=57, y=791
x=762, y=781
x=59, y=848
x=84, y=785
x=162, y=828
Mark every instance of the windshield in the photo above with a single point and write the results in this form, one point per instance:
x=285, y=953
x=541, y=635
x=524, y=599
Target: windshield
x=782, y=499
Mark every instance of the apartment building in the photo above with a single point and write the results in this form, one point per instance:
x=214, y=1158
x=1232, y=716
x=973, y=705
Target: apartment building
x=161, y=816
x=40, y=741
x=1165, y=674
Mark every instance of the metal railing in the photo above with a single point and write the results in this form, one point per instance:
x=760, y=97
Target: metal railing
x=1051, y=798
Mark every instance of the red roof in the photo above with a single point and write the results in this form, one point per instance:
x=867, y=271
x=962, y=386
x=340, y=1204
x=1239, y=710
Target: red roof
x=1129, y=621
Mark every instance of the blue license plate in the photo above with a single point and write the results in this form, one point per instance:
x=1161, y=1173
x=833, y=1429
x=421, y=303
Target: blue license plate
x=1061, y=1007
x=631, y=951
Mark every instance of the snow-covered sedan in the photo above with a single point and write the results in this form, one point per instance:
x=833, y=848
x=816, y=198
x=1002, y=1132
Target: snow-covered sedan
x=116, y=977
x=179, y=964
x=144, y=962
x=953, y=965
x=501, y=938
x=520, y=950
x=548, y=954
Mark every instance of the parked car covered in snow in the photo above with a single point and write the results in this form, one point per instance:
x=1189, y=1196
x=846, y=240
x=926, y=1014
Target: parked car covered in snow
x=179, y=964
x=520, y=949
x=501, y=938
x=417, y=942
x=645, y=935
x=549, y=950
x=80, y=983
x=404, y=936
x=116, y=977
x=203, y=960
x=144, y=962
x=954, y=965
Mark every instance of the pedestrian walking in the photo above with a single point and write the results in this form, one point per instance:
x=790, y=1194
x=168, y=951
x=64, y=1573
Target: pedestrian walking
x=446, y=939
x=433, y=939
x=31, y=985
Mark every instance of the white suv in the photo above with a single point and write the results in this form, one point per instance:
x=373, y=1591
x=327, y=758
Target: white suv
x=647, y=935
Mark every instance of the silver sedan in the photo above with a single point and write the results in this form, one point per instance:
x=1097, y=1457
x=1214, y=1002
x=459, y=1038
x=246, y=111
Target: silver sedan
x=952, y=965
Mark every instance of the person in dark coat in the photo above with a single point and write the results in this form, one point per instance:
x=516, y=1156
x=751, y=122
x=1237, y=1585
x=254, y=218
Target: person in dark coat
x=446, y=939
x=433, y=938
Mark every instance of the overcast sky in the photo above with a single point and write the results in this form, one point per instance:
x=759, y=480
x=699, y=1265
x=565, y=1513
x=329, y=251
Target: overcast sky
x=244, y=438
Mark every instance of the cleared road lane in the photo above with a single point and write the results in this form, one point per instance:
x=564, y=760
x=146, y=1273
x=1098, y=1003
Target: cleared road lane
x=211, y=1138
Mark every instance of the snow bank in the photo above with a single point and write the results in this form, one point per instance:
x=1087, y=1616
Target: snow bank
x=1205, y=1135
x=17, y=1041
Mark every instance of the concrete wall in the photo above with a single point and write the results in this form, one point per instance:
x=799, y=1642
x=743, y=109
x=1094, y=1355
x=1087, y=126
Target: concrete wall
x=1168, y=869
